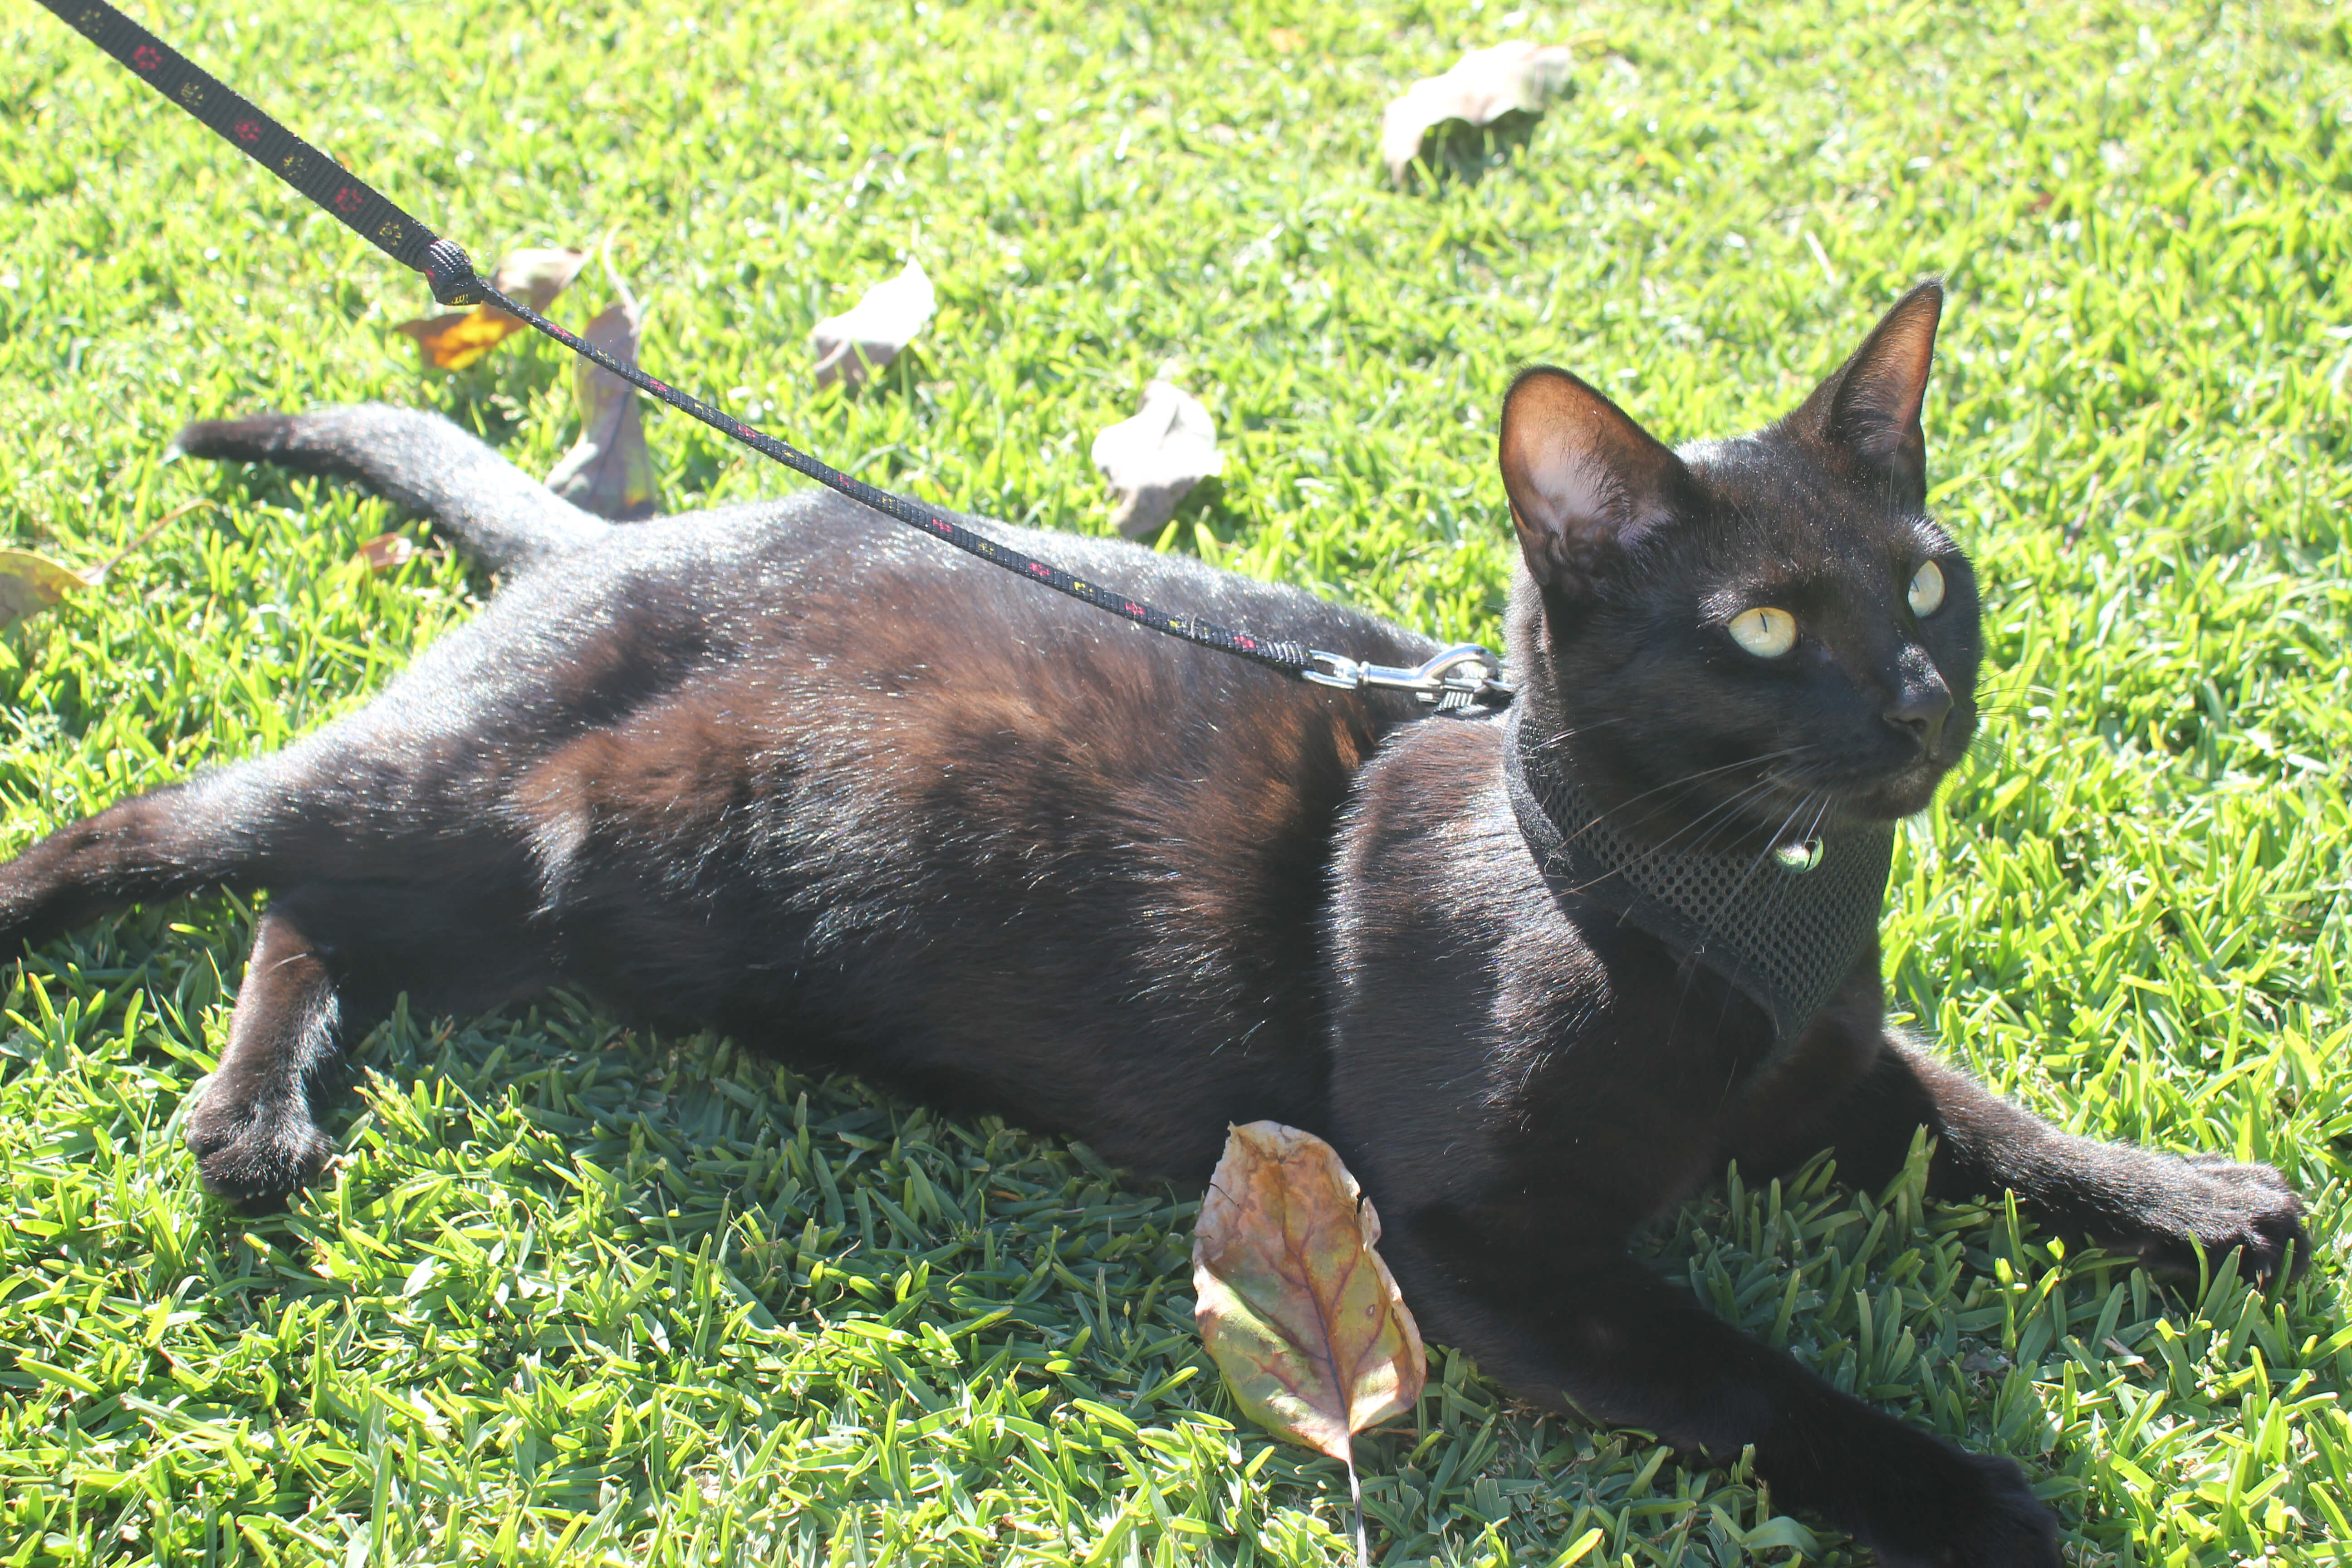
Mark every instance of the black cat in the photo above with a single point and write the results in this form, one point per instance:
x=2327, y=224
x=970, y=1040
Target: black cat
x=796, y=772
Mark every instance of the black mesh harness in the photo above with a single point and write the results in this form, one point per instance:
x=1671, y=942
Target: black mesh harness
x=1784, y=931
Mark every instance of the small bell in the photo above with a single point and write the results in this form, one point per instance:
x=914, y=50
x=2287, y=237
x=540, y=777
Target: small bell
x=1799, y=858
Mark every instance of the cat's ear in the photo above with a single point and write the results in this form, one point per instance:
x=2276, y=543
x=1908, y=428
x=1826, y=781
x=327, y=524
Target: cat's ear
x=1869, y=408
x=1584, y=479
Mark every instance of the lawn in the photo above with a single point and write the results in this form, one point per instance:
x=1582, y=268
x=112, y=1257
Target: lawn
x=577, y=1294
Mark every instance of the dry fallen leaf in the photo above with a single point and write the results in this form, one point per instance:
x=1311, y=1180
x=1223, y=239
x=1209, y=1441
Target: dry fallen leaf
x=1296, y=1308
x=535, y=277
x=1484, y=85
x=1154, y=459
x=869, y=335
x=387, y=550
x=30, y=584
x=608, y=470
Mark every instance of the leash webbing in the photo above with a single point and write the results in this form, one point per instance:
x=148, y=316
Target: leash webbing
x=1288, y=656
x=348, y=199
x=351, y=201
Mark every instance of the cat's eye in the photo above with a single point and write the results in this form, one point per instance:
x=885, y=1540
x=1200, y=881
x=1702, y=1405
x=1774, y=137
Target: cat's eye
x=1927, y=589
x=1765, y=631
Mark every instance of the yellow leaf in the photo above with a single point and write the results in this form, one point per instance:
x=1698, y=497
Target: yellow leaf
x=535, y=276
x=30, y=584
x=456, y=340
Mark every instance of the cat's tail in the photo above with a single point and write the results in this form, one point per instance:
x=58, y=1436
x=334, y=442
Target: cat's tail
x=497, y=514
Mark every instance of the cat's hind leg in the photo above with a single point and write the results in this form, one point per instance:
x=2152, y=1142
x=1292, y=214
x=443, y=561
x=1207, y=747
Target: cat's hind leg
x=169, y=841
x=327, y=961
x=500, y=515
x=365, y=910
x=254, y=1129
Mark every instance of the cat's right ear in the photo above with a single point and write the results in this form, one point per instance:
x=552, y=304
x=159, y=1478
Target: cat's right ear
x=1584, y=479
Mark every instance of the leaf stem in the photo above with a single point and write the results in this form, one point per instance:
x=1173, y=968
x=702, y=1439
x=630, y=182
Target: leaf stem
x=99, y=574
x=1356, y=1496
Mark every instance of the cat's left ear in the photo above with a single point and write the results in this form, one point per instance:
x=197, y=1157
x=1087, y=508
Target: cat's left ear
x=1869, y=408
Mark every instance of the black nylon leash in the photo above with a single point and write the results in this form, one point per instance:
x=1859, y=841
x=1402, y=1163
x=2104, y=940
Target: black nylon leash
x=1462, y=676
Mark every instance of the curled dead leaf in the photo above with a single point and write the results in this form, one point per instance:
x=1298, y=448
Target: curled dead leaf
x=609, y=471
x=1484, y=85
x=386, y=551
x=533, y=275
x=868, y=336
x=1154, y=459
x=1295, y=1307
x=30, y=584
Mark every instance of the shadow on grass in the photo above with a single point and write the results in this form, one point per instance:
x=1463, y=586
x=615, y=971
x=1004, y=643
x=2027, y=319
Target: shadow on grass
x=1457, y=152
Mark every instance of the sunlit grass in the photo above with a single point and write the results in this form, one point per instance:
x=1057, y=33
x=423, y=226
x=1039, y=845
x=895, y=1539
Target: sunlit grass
x=574, y=1294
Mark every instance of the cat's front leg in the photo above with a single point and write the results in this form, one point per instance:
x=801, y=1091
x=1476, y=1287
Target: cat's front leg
x=2162, y=1208
x=1549, y=1321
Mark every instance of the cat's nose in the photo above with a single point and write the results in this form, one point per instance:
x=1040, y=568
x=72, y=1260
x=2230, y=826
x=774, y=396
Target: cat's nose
x=1920, y=708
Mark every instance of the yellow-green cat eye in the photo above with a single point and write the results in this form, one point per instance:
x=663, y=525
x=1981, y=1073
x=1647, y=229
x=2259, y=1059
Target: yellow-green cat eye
x=1927, y=589
x=1765, y=631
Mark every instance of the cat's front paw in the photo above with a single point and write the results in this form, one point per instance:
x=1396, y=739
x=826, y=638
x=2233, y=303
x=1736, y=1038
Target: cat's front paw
x=2223, y=1207
x=1980, y=1514
x=255, y=1151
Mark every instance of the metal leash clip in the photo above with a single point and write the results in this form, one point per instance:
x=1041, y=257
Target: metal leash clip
x=1463, y=674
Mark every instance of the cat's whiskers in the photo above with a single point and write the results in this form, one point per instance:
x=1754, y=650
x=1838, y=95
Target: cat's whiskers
x=1779, y=837
x=1727, y=804
x=1688, y=780
x=1567, y=735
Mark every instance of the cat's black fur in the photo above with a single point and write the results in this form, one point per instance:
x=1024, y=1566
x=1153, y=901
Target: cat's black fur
x=796, y=772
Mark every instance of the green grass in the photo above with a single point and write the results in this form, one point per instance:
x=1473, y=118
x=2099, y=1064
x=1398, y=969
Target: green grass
x=574, y=1294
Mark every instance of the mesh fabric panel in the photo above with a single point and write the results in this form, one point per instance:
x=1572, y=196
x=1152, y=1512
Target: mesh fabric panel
x=1788, y=939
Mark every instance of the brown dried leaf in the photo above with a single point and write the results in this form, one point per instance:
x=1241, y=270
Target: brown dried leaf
x=534, y=275
x=1294, y=1305
x=870, y=334
x=537, y=276
x=608, y=470
x=1483, y=86
x=30, y=584
x=1154, y=459
x=386, y=551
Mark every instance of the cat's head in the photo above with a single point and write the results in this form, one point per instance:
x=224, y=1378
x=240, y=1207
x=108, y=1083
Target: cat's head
x=1763, y=635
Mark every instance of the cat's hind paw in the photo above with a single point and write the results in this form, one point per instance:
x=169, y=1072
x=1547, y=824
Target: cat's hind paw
x=256, y=1154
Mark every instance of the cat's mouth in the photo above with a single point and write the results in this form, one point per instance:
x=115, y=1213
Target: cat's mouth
x=1773, y=801
x=1859, y=798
